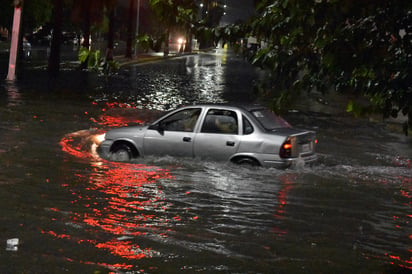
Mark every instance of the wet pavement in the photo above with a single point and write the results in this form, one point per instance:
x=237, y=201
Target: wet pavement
x=74, y=212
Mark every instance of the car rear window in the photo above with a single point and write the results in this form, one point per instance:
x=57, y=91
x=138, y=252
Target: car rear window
x=269, y=120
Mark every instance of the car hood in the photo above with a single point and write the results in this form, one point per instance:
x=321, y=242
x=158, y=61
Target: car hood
x=126, y=132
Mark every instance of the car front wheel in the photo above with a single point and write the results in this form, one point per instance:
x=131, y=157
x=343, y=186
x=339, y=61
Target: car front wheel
x=122, y=153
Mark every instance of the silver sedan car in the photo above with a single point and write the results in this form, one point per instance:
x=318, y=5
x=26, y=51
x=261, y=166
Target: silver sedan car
x=246, y=134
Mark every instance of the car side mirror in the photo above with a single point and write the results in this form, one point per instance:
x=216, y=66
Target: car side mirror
x=159, y=127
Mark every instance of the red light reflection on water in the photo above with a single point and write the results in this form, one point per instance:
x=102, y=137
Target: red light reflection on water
x=123, y=200
x=126, y=249
x=120, y=105
x=288, y=182
x=117, y=114
x=404, y=222
x=118, y=121
x=81, y=144
x=131, y=204
x=395, y=260
x=55, y=235
x=134, y=205
x=106, y=265
x=400, y=223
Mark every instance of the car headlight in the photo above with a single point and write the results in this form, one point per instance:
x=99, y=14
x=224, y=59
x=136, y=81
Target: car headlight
x=98, y=139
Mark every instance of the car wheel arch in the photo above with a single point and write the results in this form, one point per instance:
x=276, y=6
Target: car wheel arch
x=245, y=159
x=119, y=143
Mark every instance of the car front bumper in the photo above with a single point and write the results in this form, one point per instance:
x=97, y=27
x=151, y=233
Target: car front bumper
x=104, y=148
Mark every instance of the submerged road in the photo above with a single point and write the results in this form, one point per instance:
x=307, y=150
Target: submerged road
x=74, y=212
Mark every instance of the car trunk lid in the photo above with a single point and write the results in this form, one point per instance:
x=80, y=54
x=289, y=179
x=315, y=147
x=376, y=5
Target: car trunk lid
x=297, y=142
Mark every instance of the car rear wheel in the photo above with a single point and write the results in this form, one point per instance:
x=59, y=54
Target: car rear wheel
x=122, y=153
x=244, y=161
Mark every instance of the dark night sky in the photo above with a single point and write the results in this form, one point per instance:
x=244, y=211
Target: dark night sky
x=235, y=10
x=238, y=9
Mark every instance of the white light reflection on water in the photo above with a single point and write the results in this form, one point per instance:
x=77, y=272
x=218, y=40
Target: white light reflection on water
x=185, y=80
x=173, y=90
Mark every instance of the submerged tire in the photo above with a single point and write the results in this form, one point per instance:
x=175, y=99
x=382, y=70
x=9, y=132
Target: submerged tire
x=245, y=161
x=122, y=153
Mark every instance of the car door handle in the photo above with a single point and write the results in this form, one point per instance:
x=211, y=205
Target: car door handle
x=230, y=143
x=187, y=139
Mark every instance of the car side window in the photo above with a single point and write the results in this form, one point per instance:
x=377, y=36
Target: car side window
x=184, y=120
x=247, y=126
x=220, y=121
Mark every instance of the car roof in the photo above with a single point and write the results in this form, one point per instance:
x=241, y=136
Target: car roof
x=247, y=107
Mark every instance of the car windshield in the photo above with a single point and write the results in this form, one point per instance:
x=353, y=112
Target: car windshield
x=269, y=120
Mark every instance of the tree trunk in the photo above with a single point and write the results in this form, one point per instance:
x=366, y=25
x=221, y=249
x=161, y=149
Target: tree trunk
x=14, y=46
x=110, y=36
x=188, y=47
x=166, y=49
x=130, y=30
x=86, y=30
x=54, y=59
x=86, y=24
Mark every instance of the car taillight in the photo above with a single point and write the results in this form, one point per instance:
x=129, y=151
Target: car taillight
x=286, y=149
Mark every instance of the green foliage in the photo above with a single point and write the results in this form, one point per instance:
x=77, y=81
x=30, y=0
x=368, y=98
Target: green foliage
x=94, y=61
x=84, y=54
x=6, y=13
x=165, y=10
x=144, y=41
x=110, y=67
x=361, y=47
x=35, y=13
x=175, y=15
x=232, y=34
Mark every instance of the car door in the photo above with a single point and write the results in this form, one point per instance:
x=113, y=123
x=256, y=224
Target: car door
x=173, y=135
x=218, y=138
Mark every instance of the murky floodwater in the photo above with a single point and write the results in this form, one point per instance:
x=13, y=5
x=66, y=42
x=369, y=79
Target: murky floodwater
x=76, y=213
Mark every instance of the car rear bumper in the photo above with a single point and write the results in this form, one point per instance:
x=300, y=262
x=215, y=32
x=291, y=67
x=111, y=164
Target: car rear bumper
x=288, y=162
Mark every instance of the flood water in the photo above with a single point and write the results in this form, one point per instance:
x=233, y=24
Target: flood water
x=73, y=212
